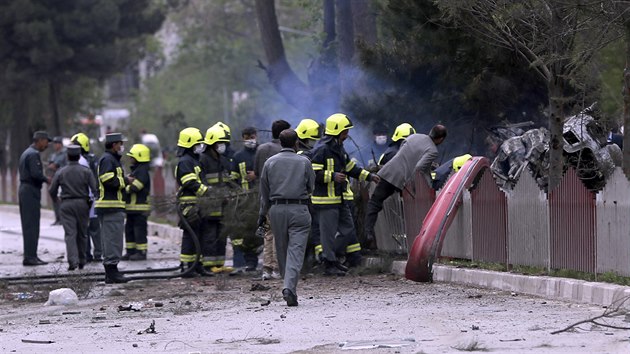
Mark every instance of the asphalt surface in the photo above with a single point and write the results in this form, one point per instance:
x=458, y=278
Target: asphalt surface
x=371, y=313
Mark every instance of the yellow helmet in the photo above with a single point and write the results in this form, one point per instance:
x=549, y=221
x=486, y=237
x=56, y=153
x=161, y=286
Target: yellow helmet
x=337, y=123
x=216, y=134
x=82, y=140
x=225, y=128
x=189, y=137
x=140, y=152
x=403, y=131
x=459, y=161
x=308, y=129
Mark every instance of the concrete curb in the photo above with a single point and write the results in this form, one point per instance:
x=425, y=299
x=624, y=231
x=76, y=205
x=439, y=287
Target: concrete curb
x=575, y=290
x=171, y=233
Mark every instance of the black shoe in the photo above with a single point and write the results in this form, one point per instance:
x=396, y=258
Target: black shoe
x=340, y=266
x=81, y=265
x=138, y=256
x=204, y=271
x=112, y=275
x=184, y=267
x=125, y=257
x=72, y=267
x=33, y=262
x=289, y=297
x=332, y=270
x=97, y=259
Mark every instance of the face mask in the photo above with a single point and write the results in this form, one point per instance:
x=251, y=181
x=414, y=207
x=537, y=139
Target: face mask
x=121, y=150
x=381, y=139
x=221, y=148
x=199, y=149
x=250, y=144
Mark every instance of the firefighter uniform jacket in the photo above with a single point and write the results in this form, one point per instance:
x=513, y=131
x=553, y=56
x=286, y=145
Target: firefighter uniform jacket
x=138, y=191
x=111, y=183
x=216, y=174
x=391, y=151
x=188, y=177
x=329, y=157
x=242, y=162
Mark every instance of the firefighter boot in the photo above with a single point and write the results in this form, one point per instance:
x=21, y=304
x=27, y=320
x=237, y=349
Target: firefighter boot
x=204, y=271
x=138, y=256
x=331, y=269
x=353, y=259
x=112, y=275
x=128, y=254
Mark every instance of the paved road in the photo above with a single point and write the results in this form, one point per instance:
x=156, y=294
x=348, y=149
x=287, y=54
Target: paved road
x=224, y=314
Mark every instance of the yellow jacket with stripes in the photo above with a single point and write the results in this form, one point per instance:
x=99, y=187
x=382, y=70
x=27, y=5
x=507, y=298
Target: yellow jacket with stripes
x=328, y=158
x=188, y=176
x=111, y=184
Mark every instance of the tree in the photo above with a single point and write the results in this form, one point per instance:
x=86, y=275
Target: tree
x=556, y=39
x=59, y=42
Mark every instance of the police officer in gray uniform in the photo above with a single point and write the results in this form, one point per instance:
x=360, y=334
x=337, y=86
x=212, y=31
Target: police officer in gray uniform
x=286, y=185
x=30, y=194
x=76, y=182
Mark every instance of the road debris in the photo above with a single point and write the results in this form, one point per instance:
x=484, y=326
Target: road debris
x=63, y=296
x=266, y=303
x=150, y=329
x=71, y=313
x=44, y=322
x=37, y=341
x=259, y=287
x=135, y=307
x=373, y=344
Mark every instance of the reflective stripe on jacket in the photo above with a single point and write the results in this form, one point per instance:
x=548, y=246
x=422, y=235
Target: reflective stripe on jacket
x=329, y=158
x=188, y=177
x=138, y=191
x=111, y=182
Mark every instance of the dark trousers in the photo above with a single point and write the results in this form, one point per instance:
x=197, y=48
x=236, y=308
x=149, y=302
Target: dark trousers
x=333, y=220
x=75, y=217
x=112, y=230
x=94, y=234
x=191, y=214
x=30, y=214
x=136, y=232
x=212, y=244
x=382, y=191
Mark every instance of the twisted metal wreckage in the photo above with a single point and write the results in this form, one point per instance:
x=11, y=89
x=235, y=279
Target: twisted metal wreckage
x=586, y=149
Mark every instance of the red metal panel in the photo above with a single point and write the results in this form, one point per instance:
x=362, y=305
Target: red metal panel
x=572, y=225
x=418, y=197
x=489, y=221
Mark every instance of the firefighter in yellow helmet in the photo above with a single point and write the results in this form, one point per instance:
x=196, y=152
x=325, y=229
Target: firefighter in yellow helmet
x=229, y=152
x=215, y=169
x=400, y=134
x=330, y=200
x=308, y=134
x=189, y=176
x=446, y=169
x=138, y=206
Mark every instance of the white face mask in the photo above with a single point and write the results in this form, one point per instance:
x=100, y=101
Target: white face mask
x=250, y=144
x=380, y=139
x=221, y=148
x=199, y=149
x=121, y=150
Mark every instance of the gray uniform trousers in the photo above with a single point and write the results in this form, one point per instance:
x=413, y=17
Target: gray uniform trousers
x=30, y=213
x=75, y=216
x=333, y=220
x=291, y=224
x=112, y=231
